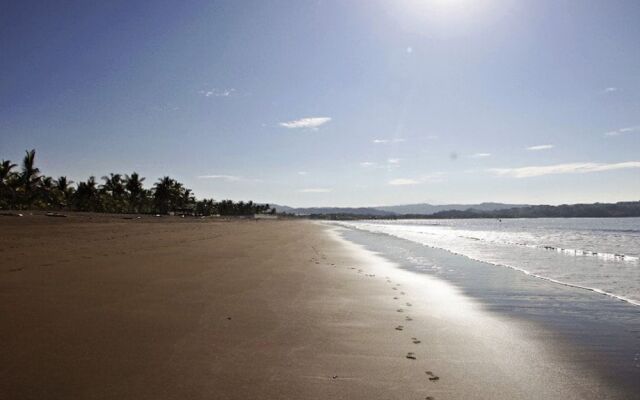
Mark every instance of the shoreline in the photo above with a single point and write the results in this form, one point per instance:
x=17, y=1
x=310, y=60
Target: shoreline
x=594, y=331
x=241, y=309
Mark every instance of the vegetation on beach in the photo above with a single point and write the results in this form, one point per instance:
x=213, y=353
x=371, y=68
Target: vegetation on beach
x=24, y=187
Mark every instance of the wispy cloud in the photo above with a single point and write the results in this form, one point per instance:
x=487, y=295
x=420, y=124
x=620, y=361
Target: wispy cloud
x=570, y=168
x=383, y=141
x=481, y=155
x=622, y=131
x=216, y=92
x=431, y=178
x=610, y=89
x=302, y=173
x=308, y=123
x=367, y=164
x=229, y=178
x=403, y=181
x=315, y=190
x=393, y=160
x=540, y=147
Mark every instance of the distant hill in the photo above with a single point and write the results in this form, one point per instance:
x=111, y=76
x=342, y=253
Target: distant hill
x=595, y=210
x=425, y=208
x=333, y=211
x=483, y=210
x=422, y=209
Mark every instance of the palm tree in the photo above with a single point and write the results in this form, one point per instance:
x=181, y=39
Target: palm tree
x=64, y=190
x=86, y=196
x=7, y=194
x=29, y=177
x=163, y=194
x=46, y=191
x=113, y=187
x=133, y=186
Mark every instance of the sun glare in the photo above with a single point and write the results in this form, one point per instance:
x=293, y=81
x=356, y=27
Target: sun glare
x=443, y=16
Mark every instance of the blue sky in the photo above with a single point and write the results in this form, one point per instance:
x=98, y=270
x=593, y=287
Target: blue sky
x=331, y=102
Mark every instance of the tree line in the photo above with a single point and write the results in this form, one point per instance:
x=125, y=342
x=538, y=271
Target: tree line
x=24, y=187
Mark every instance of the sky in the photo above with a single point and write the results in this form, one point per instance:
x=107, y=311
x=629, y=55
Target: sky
x=331, y=103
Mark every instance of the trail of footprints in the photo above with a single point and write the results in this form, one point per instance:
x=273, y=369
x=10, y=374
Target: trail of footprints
x=410, y=355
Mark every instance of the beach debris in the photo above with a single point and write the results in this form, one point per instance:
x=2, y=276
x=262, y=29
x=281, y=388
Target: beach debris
x=8, y=214
x=429, y=398
x=411, y=356
x=334, y=377
x=54, y=214
x=399, y=327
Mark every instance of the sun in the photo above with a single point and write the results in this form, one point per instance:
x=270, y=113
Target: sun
x=443, y=16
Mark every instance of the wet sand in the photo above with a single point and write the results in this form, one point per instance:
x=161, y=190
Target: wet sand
x=169, y=308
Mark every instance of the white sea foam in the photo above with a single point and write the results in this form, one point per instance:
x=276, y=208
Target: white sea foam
x=600, y=255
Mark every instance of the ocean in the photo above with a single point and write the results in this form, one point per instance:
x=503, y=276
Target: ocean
x=577, y=278
x=597, y=254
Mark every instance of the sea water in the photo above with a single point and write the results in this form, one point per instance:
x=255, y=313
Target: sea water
x=597, y=254
x=578, y=278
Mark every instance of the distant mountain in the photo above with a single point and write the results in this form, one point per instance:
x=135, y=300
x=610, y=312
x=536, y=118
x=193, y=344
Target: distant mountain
x=332, y=210
x=425, y=208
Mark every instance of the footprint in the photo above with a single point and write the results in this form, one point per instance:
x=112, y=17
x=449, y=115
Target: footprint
x=395, y=297
x=411, y=356
x=401, y=292
x=415, y=340
x=408, y=304
x=399, y=327
x=429, y=398
x=394, y=288
x=408, y=318
x=400, y=310
x=432, y=377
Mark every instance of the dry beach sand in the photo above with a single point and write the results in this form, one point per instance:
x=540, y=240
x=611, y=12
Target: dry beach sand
x=99, y=307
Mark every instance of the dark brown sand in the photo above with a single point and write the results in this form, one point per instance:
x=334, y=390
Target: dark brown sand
x=169, y=308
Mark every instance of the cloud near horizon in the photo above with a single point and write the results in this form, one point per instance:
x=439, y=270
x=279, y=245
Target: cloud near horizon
x=540, y=147
x=481, y=155
x=308, y=123
x=229, y=178
x=383, y=141
x=403, y=182
x=315, y=190
x=570, y=168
